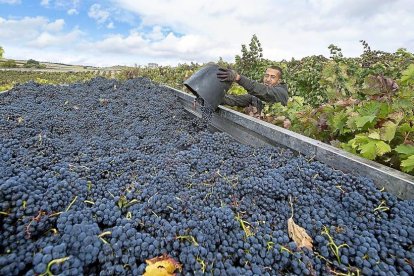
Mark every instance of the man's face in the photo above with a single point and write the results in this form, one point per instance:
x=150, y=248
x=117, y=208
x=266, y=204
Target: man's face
x=271, y=77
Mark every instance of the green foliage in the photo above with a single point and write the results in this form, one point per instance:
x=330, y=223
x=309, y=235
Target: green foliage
x=303, y=78
x=236, y=89
x=251, y=63
x=366, y=112
x=407, y=165
x=31, y=63
x=406, y=153
x=9, y=64
x=9, y=78
x=369, y=146
x=1, y=52
x=408, y=76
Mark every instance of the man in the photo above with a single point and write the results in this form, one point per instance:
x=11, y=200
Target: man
x=271, y=91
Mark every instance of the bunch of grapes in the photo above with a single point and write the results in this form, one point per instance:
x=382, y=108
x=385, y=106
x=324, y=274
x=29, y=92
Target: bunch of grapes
x=98, y=177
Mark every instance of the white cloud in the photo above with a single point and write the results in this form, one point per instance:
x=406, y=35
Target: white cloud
x=182, y=31
x=11, y=2
x=285, y=28
x=27, y=28
x=98, y=13
x=36, y=32
x=72, y=12
x=55, y=26
x=156, y=33
x=61, y=4
x=44, y=3
x=46, y=39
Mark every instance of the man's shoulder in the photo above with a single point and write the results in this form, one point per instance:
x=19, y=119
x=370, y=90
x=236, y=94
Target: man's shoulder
x=282, y=85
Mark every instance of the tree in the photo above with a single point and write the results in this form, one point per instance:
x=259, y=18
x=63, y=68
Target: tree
x=32, y=63
x=251, y=61
x=1, y=52
x=10, y=64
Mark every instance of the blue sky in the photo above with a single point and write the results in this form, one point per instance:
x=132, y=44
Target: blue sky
x=168, y=32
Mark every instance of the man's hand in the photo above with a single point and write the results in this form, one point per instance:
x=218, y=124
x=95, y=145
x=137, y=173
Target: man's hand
x=227, y=75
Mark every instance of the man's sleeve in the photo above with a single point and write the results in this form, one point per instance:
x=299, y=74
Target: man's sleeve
x=273, y=94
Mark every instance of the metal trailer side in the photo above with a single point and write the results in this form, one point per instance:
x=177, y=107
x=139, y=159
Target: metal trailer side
x=249, y=130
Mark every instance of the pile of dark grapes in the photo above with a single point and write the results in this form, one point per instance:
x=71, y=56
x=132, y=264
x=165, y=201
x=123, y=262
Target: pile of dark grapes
x=96, y=178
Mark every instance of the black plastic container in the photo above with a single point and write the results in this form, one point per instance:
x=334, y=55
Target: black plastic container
x=204, y=84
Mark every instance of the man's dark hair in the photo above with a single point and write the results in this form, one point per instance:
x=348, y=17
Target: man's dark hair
x=278, y=69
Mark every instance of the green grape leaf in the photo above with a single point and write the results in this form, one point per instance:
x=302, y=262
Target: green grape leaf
x=384, y=110
x=407, y=165
x=362, y=121
x=382, y=148
x=388, y=131
x=405, y=149
x=405, y=128
x=296, y=100
x=374, y=135
x=348, y=147
x=369, y=108
x=369, y=150
x=402, y=103
x=338, y=122
x=360, y=139
x=408, y=75
x=350, y=123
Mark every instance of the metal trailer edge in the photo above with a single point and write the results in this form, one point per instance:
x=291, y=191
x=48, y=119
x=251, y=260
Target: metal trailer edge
x=252, y=131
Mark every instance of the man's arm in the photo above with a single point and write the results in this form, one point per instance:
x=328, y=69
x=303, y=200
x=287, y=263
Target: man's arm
x=272, y=94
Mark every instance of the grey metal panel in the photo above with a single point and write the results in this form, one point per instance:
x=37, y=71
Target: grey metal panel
x=249, y=130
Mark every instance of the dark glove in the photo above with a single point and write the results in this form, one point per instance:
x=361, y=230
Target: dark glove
x=226, y=74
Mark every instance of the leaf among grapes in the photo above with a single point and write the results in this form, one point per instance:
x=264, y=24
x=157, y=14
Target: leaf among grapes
x=161, y=266
x=299, y=235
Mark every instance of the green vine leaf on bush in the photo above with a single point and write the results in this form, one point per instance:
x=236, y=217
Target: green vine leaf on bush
x=369, y=108
x=405, y=128
x=348, y=148
x=369, y=150
x=387, y=131
x=368, y=147
x=375, y=135
x=405, y=150
x=406, y=153
x=237, y=90
x=407, y=165
x=382, y=148
x=408, y=75
x=362, y=121
x=338, y=122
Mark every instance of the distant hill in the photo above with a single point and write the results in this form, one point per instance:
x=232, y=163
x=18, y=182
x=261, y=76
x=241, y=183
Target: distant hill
x=54, y=66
